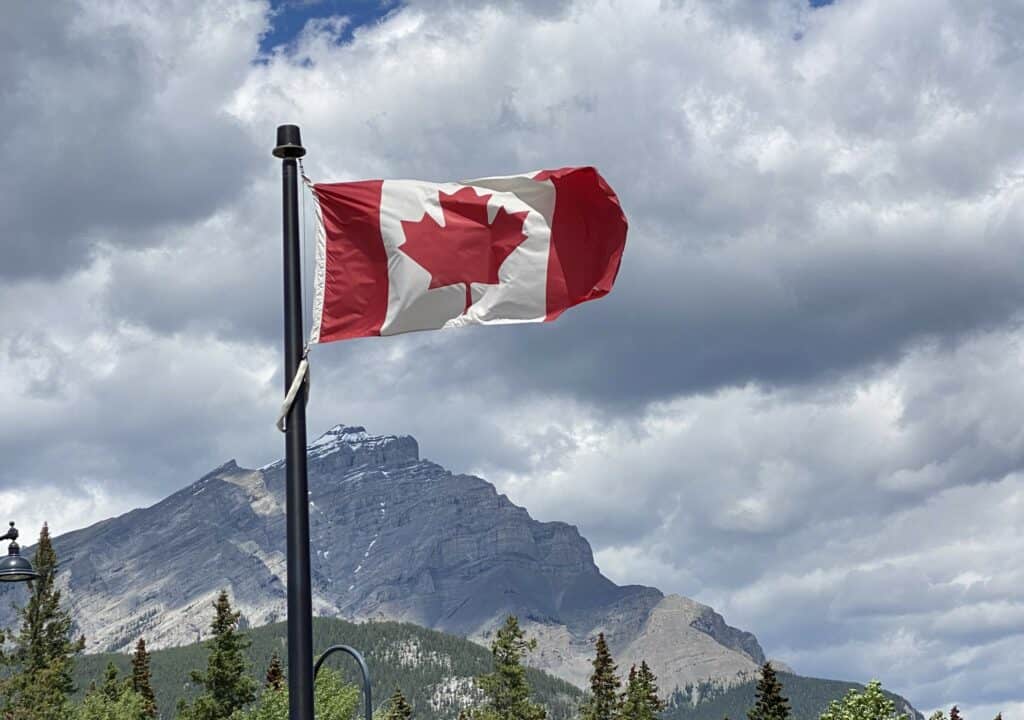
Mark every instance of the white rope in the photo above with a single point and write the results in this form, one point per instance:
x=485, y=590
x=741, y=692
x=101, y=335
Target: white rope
x=301, y=376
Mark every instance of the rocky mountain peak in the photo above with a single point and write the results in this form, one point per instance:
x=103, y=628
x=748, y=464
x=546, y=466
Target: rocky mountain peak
x=393, y=537
x=347, y=446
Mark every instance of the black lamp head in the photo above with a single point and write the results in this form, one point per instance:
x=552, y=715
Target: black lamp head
x=13, y=567
x=289, y=142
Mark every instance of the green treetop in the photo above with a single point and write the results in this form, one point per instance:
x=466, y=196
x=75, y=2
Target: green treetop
x=226, y=684
x=112, y=686
x=114, y=699
x=506, y=693
x=142, y=678
x=871, y=704
x=769, y=702
x=603, y=701
x=275, y=673
x=398, y=708
x=954, y=713
x=333, y=698
x=37, y=680
x=640, y=700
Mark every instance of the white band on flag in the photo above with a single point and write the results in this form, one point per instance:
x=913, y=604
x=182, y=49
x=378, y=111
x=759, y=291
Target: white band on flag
x=319, y=274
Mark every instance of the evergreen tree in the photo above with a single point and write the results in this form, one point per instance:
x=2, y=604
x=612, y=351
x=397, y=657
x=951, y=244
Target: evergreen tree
x=954, y=713
x=506, y=693
x=603, y=701
x=871, y=704
x=226, y=684
x=769, y=702
x=640, y=700
x=37, y=680
x=142, y=680
x=111, y=687
x=113, y=700
x=398, y=707
x=275, y=673
x=333, y=698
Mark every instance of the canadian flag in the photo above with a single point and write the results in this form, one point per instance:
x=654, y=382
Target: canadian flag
x=395, y=256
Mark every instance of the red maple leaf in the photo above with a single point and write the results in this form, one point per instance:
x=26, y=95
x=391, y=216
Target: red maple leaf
x=466, y=249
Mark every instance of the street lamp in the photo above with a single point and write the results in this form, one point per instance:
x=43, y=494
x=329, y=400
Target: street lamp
x=363, y=668
x=15, y=568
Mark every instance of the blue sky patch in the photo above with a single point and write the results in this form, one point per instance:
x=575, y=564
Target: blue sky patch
x=290, y=16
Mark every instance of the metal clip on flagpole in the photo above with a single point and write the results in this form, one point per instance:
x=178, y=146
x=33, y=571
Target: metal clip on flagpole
x=296, y=367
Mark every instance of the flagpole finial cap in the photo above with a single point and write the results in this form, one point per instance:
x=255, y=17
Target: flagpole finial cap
x=289, y=142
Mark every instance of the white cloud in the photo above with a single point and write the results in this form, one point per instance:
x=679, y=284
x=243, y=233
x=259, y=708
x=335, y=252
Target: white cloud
x=799, y=404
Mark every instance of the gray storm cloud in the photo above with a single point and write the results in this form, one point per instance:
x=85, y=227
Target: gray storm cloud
x=800, y=404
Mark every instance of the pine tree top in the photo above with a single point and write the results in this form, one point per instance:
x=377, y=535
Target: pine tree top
x=398, y=707
x=603, y=701
x=226, y=682
x=507, y=694
x=769, y=704
x=275, y=673
x=142, y=679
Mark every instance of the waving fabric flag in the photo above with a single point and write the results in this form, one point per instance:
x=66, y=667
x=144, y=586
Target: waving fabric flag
x=396, y=256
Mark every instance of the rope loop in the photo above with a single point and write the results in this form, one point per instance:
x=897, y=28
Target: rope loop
x=301, y=377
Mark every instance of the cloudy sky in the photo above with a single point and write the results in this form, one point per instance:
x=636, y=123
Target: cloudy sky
x=801, y=405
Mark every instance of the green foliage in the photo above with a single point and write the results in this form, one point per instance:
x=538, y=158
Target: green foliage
x=142, y=678
x=603, y=701
x=398, y=708
x=333, y=697
x=640, y=701
x=769, y=704
x=937, y=715
x=954, y=713
x=506, y=691
x=871, y=704
x=38, y=667
x=111, y=687
x=113, y=700
x=226, y=683
x=388, y=647
x=808, y=699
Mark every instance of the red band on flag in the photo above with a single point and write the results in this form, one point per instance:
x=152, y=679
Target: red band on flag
x=355, y=292
x=588, y=235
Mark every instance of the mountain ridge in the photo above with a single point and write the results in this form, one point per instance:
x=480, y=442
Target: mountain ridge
x=394, y=537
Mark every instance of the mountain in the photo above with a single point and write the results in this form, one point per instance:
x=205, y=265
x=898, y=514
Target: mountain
x=434, y=670
x=394, y=537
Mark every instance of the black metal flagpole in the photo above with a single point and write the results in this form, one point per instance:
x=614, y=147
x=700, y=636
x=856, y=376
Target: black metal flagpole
x=300, y=604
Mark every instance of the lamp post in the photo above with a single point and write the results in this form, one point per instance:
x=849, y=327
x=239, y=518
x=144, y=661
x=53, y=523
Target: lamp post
x=15, y=568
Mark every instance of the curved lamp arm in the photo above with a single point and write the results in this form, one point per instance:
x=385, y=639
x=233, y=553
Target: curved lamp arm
x=363, y=668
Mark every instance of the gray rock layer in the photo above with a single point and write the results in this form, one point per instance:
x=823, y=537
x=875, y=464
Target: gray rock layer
x=393, y=537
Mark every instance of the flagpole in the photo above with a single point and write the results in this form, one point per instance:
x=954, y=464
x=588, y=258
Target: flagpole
x=300, y=604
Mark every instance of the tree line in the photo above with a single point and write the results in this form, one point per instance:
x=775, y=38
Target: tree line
x=37, y=662
x=871, y=703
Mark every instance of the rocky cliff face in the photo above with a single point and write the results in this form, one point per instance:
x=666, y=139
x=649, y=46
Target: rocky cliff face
x=394, y=537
